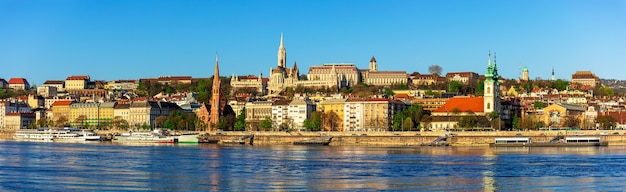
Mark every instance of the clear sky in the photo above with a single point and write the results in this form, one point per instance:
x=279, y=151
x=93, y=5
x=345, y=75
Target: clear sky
x=132, y=39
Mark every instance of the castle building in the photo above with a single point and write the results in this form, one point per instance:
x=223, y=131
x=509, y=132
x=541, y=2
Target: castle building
x=257, y=83
x=282, y=77
x=335, y=75
x=381, y=78
x=586, y=78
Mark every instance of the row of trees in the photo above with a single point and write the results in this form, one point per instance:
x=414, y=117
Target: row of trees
x=413, y=117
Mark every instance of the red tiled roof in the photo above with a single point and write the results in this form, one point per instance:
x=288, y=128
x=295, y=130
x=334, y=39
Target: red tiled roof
x=48, y=82
x=84, y=77
x=62, y=103
x=17, y=81
x=474, y=104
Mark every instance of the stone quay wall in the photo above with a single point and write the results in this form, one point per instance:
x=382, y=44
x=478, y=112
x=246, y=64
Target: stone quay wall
x=414, y=138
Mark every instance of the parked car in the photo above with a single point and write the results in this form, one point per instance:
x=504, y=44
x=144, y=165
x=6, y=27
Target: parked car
x=518, y=134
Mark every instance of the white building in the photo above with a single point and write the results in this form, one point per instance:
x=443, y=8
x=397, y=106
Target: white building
x=280, y=113
x=7, y=107
x=299, y=110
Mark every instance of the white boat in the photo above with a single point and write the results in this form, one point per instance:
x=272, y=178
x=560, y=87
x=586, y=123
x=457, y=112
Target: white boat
x=89, y=136
x=187, y=138
x=144, y=137
x=34, y=134
x=59, y=135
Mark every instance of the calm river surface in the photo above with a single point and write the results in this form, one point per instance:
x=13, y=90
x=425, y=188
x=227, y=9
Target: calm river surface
x=29, y=166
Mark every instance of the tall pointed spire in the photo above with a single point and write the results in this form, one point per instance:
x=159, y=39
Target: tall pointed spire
x=489, y=74
x=217, y=70
x=282, y=53
x=295, y=71
x=282, y=45
x=216, y=98
x=495, y=68
x=489, y=60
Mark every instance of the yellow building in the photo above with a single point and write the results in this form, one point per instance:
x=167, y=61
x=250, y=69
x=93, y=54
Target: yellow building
x=336, y=106
x=76, y=82
x=557, y=114
x=107, y=112
x=94, y=115
x=82, y=114
x=430, y=104
x=61, y=109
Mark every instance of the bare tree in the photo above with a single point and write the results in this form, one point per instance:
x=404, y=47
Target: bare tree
x=435, y=70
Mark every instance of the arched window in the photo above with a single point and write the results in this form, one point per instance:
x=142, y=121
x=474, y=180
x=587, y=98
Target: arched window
x=488, y=105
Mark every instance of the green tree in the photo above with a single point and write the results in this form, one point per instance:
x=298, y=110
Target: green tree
x=407, y=124
x=316, y=121
x=266, y=124
x=539, y=105
x=494, y=119
x=388, y=91
x=480, y=88
x=454, y=86
x=398, y=118
x=145, y=126
x=607, y=121
x=560, y=85
x=240, y=123
x=515, y=122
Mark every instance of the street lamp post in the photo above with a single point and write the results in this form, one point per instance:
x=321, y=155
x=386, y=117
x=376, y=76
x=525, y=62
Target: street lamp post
x=448, y=114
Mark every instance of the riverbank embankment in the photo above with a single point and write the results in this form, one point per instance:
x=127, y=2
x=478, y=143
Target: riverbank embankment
x=385, y=138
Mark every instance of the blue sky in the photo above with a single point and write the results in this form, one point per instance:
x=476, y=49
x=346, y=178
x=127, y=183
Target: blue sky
x=115, y=39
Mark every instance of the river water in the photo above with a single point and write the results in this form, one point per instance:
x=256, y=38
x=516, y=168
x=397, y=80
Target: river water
x=30, y=166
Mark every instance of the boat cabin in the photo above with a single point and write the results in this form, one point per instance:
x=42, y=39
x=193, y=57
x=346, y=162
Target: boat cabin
x=510, y=140
x=582, y=139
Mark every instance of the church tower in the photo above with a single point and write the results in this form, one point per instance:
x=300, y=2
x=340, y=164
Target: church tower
x=216, y=99
x=492, y=87
x=373, y=65
x=525, y=74
x=282, y=53
x=552, y=73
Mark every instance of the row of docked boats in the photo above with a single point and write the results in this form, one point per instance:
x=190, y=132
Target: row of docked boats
x=79, y=135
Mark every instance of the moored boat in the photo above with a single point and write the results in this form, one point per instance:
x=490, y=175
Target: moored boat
x=57, y=135
x=40, y=134
x=144, y=137
x=558, y=141
x=187, y=138
x=315, y=141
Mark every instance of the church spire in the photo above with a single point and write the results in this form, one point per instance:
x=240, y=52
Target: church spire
x=295, y=71
x=495, y=68
x=373, y=65
x=489, y=74
x=282, y=53
x=216, y=98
